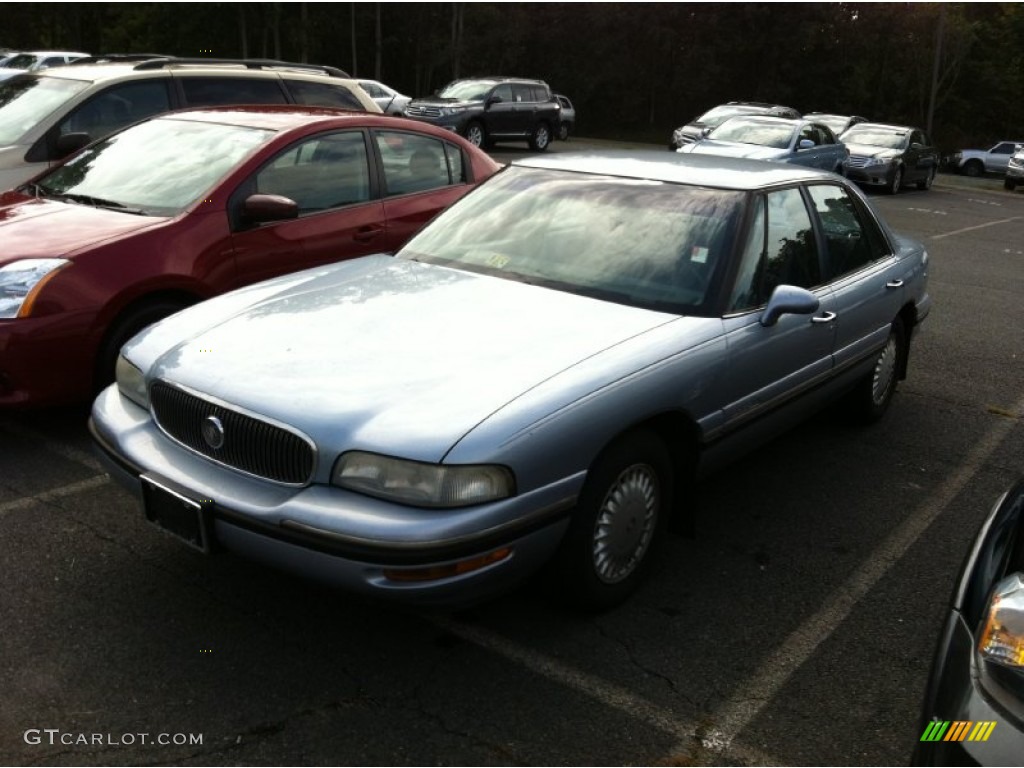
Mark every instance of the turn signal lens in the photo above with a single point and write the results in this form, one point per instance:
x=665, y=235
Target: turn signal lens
x=1002, y=636
x=438, y=572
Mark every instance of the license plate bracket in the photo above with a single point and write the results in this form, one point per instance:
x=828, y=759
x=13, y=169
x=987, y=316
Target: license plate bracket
x=177, y=513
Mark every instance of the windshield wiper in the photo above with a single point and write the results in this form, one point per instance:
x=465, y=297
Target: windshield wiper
x=96, y=202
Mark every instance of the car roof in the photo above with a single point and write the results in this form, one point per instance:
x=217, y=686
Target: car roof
x=678, y=168
x=275, y=117
x=106, y=70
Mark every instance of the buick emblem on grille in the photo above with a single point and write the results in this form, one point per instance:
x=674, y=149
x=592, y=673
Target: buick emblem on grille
x=213, y=432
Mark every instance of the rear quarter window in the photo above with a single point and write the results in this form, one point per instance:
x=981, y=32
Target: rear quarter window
x=323, y=95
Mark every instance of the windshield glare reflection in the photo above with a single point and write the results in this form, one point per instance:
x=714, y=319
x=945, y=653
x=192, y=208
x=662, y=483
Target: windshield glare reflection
x=637, y=242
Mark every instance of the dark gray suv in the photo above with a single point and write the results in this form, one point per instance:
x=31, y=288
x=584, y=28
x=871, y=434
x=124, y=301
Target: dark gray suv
x=491, y=109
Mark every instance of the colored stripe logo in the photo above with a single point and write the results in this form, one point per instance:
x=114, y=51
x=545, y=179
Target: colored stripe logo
x=958, y=730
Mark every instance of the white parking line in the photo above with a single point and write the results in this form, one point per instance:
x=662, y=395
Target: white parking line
x=687, y=733
x=754, y=694
x=53, y=493
x=975, y=227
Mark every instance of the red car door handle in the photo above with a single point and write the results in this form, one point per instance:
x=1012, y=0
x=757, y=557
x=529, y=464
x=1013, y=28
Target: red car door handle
x=370, y=231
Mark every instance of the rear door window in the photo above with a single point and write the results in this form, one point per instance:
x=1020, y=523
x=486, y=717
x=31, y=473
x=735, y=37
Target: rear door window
x=214, y=91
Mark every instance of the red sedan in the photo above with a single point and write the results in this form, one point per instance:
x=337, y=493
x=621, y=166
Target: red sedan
x=187, y=205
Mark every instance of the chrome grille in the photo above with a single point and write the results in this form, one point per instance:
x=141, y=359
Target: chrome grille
x=417, y=111
x=857, y=161
x=250, y=444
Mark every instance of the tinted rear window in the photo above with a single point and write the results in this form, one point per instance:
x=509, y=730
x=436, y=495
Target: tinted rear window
x=211, y=91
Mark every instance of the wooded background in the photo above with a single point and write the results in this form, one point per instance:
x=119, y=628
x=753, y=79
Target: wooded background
x=633, y=70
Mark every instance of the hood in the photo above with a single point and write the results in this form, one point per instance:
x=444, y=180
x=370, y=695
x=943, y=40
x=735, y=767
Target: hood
x=388, y=355
x=866, y=150
x=40, y=228
x=735, y=149
x=437, y=101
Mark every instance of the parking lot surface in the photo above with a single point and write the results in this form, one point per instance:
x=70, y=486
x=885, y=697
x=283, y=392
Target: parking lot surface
x=796, y=627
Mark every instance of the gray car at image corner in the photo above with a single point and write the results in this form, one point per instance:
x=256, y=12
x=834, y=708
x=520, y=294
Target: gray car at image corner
x=534, y=381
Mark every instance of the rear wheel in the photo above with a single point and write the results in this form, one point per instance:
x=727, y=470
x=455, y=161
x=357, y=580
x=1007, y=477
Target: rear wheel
x=926, y=182
x=974, y=168
x=619, y=520
x=541, y=137
x=123, y=328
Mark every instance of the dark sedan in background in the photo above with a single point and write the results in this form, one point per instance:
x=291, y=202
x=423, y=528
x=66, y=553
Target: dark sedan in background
x=974, y=707
x=890, y=156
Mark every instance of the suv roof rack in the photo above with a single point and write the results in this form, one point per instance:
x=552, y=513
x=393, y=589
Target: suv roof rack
x=104, y=58
x=173, y=61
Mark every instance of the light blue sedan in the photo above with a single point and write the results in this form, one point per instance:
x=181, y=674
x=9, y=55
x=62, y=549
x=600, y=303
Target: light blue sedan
x=800, y=142
x=536, y=380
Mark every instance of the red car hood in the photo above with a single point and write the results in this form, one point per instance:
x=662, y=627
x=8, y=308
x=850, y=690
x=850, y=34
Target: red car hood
x=39, y=228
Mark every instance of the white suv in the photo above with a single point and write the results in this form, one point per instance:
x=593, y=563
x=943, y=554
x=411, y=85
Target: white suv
x=44, y=116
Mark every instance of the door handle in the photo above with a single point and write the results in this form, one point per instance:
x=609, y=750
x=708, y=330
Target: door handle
x=367, y=233
x=828, y=317
x=894, y=284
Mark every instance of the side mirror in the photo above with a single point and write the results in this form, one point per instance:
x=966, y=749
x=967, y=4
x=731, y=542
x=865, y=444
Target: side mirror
x=805, y=144
x=494, y=100
x=788, y=299
x=260, y=209
x=705, y=131
x=69, y=143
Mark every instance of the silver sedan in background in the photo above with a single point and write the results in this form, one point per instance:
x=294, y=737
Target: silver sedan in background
x=784, y=140
x=535, y=381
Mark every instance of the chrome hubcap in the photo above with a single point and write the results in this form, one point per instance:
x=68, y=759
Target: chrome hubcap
x=625, y=523
x=885, y=372
x=542, y=137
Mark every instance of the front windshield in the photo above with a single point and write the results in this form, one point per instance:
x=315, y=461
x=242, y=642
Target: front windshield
x=715, y=117
x=876, y=137
x=26, y=100
x=22, y=61
x=747, y=131
x=638, y=242
x=466, y=90
x=159, y=167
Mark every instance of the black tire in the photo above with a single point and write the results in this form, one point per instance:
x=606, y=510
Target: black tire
x=896, y=181
x=129, y=323
x=563, y=131
x=1009, y=184
x=926, y=183
x=872, y=397
x=619, y=521
x=475, y=133
x=974, y=168
x=540, y=140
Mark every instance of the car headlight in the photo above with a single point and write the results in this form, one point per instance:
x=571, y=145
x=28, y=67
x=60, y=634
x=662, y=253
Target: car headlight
x=130, y=382
x=1002, y=635
x=453, y=110
x=1016, y=162
x=879, y=161
x=420, y=484
x=21, y=281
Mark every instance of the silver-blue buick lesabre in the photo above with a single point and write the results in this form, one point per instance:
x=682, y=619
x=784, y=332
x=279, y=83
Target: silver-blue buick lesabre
x=535, y=380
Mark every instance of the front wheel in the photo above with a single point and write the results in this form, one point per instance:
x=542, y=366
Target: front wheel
x=896, y=181
x=926, y=182
x=619, y=520
x=872, y=397
x=974, y=168
x=541, y=137
x=475, y=134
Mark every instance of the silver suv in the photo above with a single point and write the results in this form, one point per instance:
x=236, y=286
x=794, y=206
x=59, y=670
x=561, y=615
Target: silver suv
x=1015, y=170
x=44, y=116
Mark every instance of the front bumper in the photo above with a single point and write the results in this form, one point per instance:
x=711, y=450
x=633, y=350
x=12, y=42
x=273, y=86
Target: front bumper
x=333, y=535
x=454, y=123
x=876, y=176
x=46, y=360
x=957, y=696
